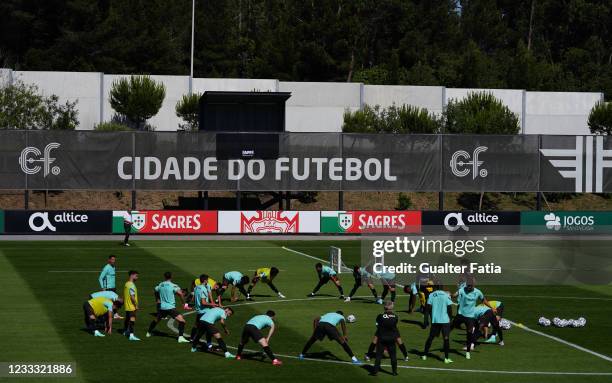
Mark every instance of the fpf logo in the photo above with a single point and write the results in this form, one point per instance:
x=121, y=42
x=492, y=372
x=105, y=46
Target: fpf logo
x=461, y=158
x=32, y=154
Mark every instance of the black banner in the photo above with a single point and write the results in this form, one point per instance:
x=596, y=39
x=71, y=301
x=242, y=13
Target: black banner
x=58, y=221
x=85, y=160
x=470, y=222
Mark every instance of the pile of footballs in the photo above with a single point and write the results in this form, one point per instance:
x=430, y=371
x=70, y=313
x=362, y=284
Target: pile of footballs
x=558, y=322
x=505, y=324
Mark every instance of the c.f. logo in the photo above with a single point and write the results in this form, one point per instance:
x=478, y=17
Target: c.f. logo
x=25, y=160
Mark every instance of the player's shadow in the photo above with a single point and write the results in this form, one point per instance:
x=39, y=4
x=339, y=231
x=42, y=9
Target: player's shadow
x=325, y=355
x=414, y=322
x=255, y=356
x=370, y=369
x=261, y=296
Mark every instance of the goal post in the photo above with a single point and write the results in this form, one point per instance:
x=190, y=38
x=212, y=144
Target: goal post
x=335, y=260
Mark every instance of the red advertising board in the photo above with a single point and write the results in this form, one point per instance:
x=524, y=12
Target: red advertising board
x=175, y=221
x=381, y=221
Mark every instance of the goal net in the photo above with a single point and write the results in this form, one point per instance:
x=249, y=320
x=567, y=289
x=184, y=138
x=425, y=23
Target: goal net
x=335, y=260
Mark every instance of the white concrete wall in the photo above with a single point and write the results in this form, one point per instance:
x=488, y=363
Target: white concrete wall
x=559, y=112
x=5, y=77
x=319, y=106
x=429, y=97
x=314, y=106
x=83, y=87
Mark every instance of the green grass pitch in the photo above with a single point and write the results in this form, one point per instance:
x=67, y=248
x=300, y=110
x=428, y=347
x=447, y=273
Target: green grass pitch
x=44, y=284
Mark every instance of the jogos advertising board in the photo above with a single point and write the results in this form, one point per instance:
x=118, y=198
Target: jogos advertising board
x=576, y=222
x=167, y=221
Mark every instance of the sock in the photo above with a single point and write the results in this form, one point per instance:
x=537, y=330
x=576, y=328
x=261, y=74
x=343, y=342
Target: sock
x=250, y=289
x=385, y=292
x=194, y=330
x=208, y=339
x=152, y=326
x=273, y=287
x=373, y=290
x=340, y=290
x=317, y=287
x=131, y=327
x=392, y=296
x=222, y=345
x=446, y=347
x=240, y=348
x=353, y=290
x=348, y=350
x=402, y=348
x=181, y=328
x=268, y=352
x=308, y=345
x=371, y=349
x=126, y=324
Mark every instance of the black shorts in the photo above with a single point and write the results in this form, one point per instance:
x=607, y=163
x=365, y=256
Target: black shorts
x=436, y=328
x=324, y=329
x=252, y=332
x=388, y=282
x=387, y=334
x=324, y=280
x=209, y=329
x=172, y=313
x=500, y=311
x=486, y=318
x=130, y=314
x=87, y=310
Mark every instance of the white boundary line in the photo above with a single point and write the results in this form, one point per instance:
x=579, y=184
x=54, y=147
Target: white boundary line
x=573, y=345
x=171, y=326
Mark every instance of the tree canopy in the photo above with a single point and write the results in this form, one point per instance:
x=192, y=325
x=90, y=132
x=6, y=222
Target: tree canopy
x=561, y=45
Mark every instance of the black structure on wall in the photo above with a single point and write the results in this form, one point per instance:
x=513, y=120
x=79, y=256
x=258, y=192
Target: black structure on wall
x=243, y=111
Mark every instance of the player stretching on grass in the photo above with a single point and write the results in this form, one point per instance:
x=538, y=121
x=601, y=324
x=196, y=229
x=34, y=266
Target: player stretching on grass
x=467, y=298
x=326, y=274
x=362, y=275
x=237, y=280
x=167, y=306
x=325, y=325
x=206, y=325
x=439, y=306
x=388, y=282
x=266, y=275
x=485, y=317
x=203, y=300
x=100, y=308
x=130, y=297
x=213, y=286
x=252, y=330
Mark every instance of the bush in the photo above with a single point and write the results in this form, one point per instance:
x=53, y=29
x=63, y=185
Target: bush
x=188, y=109
x=111, y=126
x=22, y=107
x=395, y=119
x=480, y=113
x=403, y=202
x=137, y=98
x=600, y=118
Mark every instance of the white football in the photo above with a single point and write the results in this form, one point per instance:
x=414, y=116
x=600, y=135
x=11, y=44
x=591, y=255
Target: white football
x=351, y=318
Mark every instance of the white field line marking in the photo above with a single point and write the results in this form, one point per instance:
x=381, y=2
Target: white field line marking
x=551, y=297
x=173, y=328
x=573, y=345
x=304, y=254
